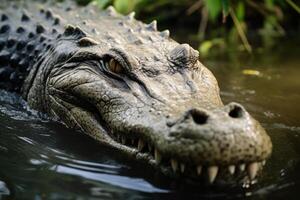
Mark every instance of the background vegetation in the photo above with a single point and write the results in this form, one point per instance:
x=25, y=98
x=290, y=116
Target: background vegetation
x=218, y=26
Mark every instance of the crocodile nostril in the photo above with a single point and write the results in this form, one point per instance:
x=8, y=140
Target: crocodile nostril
x=236, y=112
x=198, y=116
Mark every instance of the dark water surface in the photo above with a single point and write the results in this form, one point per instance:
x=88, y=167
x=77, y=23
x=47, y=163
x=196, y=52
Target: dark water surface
x=40, y=159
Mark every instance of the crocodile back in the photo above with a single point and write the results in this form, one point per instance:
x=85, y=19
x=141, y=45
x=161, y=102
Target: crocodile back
x=26, y=33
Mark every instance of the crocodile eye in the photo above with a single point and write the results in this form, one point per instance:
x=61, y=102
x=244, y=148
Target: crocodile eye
x=115, y=67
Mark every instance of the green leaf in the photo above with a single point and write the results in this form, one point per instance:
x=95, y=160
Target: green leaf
x=125, y=6
x=102, y=3
x=269, y=4
x=214, y=8
x=206, y=46
x=240, y=11
x=225, y=5
x=122, y=6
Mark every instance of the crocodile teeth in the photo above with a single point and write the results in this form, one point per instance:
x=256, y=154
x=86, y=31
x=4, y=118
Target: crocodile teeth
x=212, y=173
x=157, y=156
x=263, y=163
x=231, y=169
x=141, y=144
x=242, y=167
x=252, y=170
x=174, y=165
x=182, y=167
x=199, y=169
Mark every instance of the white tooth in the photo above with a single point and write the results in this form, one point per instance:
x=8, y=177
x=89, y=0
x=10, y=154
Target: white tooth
x=212, y=173
x=231, y=169
x=242, y=167
x=157, y=156
x=199, y=169
x=252, y=170
x=263, y=162
x=141, y=144
x=182, y=167
x=174, y=165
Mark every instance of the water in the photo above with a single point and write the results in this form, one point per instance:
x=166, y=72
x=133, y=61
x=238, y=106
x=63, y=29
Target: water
x=41, y=159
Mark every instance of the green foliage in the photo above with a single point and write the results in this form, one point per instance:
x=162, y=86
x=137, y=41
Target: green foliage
x=208, y=45
x=295, y=6
x=225, y=7
x=214, y=8
x=125, y=6
x=240, y=11
x=223, y=23
x=102, y=3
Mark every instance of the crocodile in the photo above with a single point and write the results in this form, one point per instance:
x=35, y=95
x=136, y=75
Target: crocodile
x=131, y=88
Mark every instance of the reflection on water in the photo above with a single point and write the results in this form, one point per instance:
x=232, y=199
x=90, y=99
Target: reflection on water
x=42, y=159
x=45, y=159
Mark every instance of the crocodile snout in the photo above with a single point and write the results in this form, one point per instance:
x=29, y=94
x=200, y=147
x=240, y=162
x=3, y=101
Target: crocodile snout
x=224, y=135
x=231, y=112
x=227, y=137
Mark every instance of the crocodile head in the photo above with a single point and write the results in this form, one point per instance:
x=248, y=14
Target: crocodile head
x=135, y=89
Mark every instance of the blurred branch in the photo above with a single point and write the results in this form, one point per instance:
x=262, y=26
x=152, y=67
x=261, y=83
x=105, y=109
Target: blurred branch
x=293, y=5
x=207, y=14
x=225, y=10
x=257, y=7
x=240, y=31
x=196, y=6
x=266, y=12
x=203, y=23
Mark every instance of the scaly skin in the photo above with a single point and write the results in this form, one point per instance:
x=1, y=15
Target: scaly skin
x=130, y=87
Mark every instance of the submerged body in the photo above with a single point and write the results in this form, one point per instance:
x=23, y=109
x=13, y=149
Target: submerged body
x=130, y=87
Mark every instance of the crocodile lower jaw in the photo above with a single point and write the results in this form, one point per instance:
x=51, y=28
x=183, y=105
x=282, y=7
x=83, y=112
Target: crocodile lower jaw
x=211, y=174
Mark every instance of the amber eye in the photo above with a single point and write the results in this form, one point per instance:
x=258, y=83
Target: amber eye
x=115, y=67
